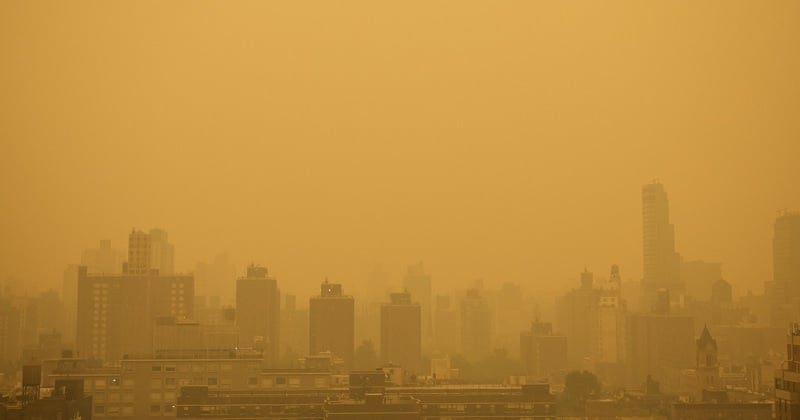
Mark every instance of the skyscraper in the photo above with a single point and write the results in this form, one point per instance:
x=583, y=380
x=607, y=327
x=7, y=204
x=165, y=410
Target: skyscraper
x=148, y=252
x=331, y=323
x=786, y=268
x=401, y=332
x=418, y=283
x=476, y=326
x=258, y=311
x=661, y=262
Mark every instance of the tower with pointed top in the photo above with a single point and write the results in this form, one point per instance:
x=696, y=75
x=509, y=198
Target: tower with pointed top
x=707, y=368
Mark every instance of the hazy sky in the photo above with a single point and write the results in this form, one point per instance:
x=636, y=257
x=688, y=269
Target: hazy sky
x=504, y=140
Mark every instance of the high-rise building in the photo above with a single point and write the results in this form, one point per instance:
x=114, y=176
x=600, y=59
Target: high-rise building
x=162, y=253
x=661, y=262
x=611, y=312
x=139, y=253
x=258, y=311
x=117, y=313
x=294, y=328
x=10, y=326
x=149, y=253
x=658, y=345
x=476, y=326
x=69, y=296
x=446, y=328
x=698, y=277
x=418, y=283
x=331, y=323
x=786, y=269
x=577, y=319
x=787, y=379
x=102, y=260
x=543, y=353
x=401, y=332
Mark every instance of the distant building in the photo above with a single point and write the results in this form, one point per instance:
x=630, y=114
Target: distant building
x=10, y=325
x=102, y=260
x=577, y=318
x=661, y=262
x=258, y=311
x=785, y=289
x=698, y=278
x=401, y=332
x=657, y=344
x=117, y=313
x=543, y=353
x=787, y=379
x=294, y=328
x=446, y=328
x=331, y=323
x=707, y=364
x=149, y=253
x=419, y=284
x=476, y=326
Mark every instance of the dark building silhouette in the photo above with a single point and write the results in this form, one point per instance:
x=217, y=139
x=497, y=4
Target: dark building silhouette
x=116, y=313
x=258, y=311
x=658, y=345
x=331, y=323
x=787, y=379
x=419, y=284
x=661, y=262
x=785, y=288
x=401, y=332
x=707, y=363
x=294, y=328
x=476, y=326
x=543, y=353
x=446, y=327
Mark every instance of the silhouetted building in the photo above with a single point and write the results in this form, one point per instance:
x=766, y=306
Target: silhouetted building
x=661, y=262
x=785, y=289
x=117, y=313
x=657, y=345
x=419, y=284
x=543, y=354
x=698, y=277
x=707, y=363
x=294, y=328
x=577, y=319
x=10, y=325
x=476, y=326
x=102, y=260
x=331, y=323
x=446, y=327
x=258, y=311
x=787, y=379
x=401, y=332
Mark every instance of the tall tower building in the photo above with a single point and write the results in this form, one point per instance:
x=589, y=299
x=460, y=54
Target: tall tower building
x=331, y=323
x=476, y=326
x=162, y=253
x=787, y=382
x=661, y=262
x=418, y=284
x=401, y=332
x=258, y=313
x=786, y=268
x=139, y=253
x=707, y=368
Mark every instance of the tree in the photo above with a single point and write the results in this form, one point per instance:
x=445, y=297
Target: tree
x=365, y=357
x=578, y=387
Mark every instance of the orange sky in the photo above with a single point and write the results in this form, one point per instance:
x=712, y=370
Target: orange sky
x=504, y=140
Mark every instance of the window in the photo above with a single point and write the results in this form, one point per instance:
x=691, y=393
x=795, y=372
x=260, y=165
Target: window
x=294, y=382
x=112, y=410
x=280, y=380
x=156, y=368
x=227, y=368
x=155, y=409
x=169, y=368
x=212, y=381
x=320, y=382
x=155, y=396
x=99, y=409
x=155, y=383
x=252, y=381
x=266, y=382
x=169, y=382
x=127, y=410
x=100, y=383
x=113, y=397
x=169, y=397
